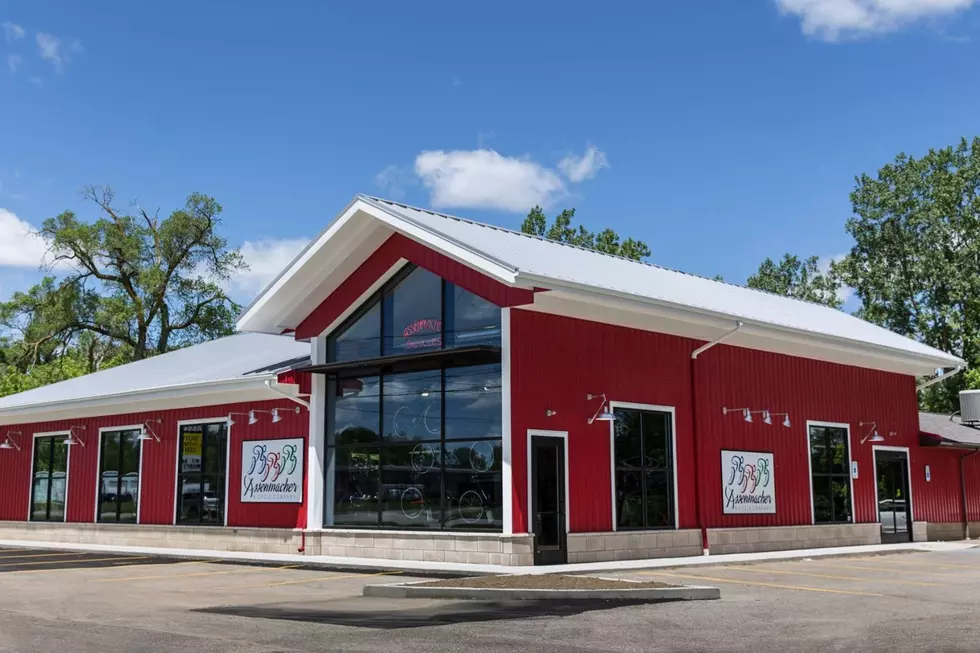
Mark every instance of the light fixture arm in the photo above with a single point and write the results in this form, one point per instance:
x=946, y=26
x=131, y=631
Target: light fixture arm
x=148, y=429
x=717, y=341
x=590, y=397
x=872, y=433
x=72, y=438
x=9, y=442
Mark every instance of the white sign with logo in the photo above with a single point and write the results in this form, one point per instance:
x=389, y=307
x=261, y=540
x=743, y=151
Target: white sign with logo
x=747, y=483
x=272, y=471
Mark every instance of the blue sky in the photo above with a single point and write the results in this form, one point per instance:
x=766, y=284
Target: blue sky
x=720, y=132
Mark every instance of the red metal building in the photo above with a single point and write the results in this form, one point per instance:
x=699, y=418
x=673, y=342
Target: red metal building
x=469, y=394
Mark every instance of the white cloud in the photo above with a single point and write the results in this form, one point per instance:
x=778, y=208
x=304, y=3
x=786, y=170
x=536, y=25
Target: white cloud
x=266, y=259
x=12, y=32
x=580, y=168
x=51, y=51
x=393, y=180
x=37, y=81
x=832, y=19
x=20, y=245
x=14, y=62
x=486, y=179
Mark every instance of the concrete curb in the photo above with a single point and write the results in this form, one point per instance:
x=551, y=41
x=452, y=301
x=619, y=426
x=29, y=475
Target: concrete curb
x=418, y=590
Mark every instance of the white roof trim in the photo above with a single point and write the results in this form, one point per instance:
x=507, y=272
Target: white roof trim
x=190, y=395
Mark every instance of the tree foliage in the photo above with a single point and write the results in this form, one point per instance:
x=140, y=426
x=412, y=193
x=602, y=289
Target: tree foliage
x=915, y=263
x=128, y=285
x=606, y=241
x=799, y=278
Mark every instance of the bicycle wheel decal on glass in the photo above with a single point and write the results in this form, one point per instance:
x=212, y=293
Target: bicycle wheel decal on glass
x=473, y=484
x=411, y=486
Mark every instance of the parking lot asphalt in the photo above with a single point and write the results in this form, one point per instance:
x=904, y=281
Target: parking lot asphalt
x=86, y=603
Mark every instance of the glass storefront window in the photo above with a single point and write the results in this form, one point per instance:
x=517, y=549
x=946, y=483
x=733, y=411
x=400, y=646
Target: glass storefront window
x=119, y=465
x=438, y=462
x=413, y=313
x=48, y=490
x=644, y=472
x=830, y=474
x=201, y=481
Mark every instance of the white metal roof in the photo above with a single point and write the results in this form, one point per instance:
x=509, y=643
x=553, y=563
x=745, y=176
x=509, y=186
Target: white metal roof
x=528, y=261
x=233, y=358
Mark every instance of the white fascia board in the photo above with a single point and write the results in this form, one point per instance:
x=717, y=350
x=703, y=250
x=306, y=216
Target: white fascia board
x=279, y=298
x=253, y=318
x=190, y=395
x=492, y=267
x=887, y=358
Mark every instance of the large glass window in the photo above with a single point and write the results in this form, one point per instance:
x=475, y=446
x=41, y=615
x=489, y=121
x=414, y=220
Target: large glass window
x=831, y=474
x=415, y=312
x=119, y=481
x=644, y=469
x=418, y=450
x=201, y=481
x=50, y=479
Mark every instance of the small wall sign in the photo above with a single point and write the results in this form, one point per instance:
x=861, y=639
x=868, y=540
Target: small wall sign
x=748, y=485
x=928, y=474
x=272, y=471
x=854, y=469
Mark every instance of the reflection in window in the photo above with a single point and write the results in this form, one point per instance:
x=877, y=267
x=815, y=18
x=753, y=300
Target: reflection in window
x=413, y=314
x=831, y=475
x=416, y=312
x=201, y=481
x=643, y=469
x=48, y=489
x=119, y=476
x=437, y=464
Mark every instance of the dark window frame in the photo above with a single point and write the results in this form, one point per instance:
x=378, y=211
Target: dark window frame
x=56, y=440
x=643, y=470
x=104, y=438
x=448, y=334
x=381, y=446
x=828, y=476
x=202, y=475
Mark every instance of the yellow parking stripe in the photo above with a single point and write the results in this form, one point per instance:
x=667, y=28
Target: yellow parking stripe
x=763, y=570
x=194, y=575
x=878, y=569
x=40, y=555
x=929, y=565
x=760, y=584
x=77, y=560
x=318, y=579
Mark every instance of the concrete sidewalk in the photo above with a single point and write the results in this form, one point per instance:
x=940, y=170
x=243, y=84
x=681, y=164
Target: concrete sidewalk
x=448, y=568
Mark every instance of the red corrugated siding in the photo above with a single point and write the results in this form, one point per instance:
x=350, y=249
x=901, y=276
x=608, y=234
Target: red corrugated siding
x=399, y=247
x=556, y=361
x=158, y=482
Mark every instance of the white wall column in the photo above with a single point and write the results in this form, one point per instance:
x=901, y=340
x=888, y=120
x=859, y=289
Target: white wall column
x=317, y=448
x=505, y=389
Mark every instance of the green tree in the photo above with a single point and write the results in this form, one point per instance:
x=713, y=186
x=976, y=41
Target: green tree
x=134, y=285
x=606, y=241
x=798, y=278
x=915, y=263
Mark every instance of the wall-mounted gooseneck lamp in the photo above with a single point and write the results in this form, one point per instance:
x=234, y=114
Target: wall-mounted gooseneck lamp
x=147, y=433
x=745, y=412
x=873, y=435
x=9, y=443
x=254, y=419
x=72, y=438
x=603, y=414
x=785, y=417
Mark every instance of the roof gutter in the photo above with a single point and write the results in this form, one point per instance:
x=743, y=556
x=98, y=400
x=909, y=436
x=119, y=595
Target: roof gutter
x=941, y=377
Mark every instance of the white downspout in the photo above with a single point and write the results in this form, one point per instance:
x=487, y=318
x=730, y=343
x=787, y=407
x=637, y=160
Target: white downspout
x=942, y=377
x=274, y=386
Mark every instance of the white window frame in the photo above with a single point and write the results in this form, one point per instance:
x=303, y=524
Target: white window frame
x=850, y=467
x=908, y=459
x=541, y=433
x=626, y=405
x=30, y=492
x=191, y=422
x=98, y=465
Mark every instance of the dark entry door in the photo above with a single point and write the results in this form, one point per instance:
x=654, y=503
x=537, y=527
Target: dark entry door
x=548, y=500
x=894, y=510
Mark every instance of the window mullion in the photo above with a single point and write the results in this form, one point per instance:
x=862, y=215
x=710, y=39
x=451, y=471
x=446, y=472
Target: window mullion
x=643, y=474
